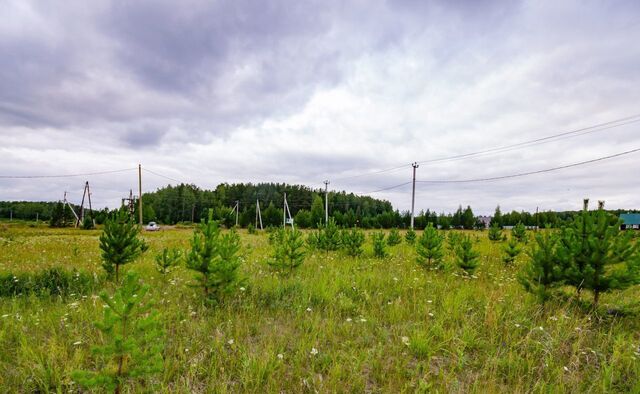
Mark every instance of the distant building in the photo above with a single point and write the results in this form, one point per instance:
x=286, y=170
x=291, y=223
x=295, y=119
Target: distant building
x=630, y=221
x=485, y=220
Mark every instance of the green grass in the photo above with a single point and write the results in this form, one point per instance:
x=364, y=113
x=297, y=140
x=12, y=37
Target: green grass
x=378, y=325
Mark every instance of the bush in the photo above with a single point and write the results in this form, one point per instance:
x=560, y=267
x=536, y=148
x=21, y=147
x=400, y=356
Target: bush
x=50, y=282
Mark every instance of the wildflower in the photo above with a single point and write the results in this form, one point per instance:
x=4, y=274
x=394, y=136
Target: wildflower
x=76, y=343
x=429, y=301
x=405, y=340
x=517, y=325
x=541, y=328
x=395, y=279
x=230, y=341
x=430, y=314
x=566, y=369
x=242, y=289
x=280, y=356
x=314, y=351
x=308, y=309
x=348, y=319
x=363, y=320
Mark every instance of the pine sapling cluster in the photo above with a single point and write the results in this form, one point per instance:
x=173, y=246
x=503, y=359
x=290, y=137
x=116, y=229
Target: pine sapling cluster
x=288, y=251
x=133, y=339
x=120, y=243
x=429, y=248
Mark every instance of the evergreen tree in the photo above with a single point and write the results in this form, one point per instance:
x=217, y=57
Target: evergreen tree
x=598, y=256
x=58, y=215
x=410, y=237
x=468, y=219
x=288, y=251
x=519, y=232
x=429, y=247
x=511, y=251
x=466, y=256
x=453, y=239
x=214, y=256
x=352, y=241
x=544, y=269
x=379, y=244
x=87, y=223
x=132, y=331
x=495, y=232
x=120, y=243
x=326, y=238
x=497, y=217
x=167, y=260
x=394, y=237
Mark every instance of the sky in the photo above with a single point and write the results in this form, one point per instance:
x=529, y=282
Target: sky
x=207, y=92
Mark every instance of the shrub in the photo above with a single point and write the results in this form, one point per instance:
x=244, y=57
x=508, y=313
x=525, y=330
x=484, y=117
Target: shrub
x=215, y=258
x=429, y=247
x=352, y=241
x=288, y=251
x=120, y=243
x=133, y=337
x=394, y=237
x=50, y=282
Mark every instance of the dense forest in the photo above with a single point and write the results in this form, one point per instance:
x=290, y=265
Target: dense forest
x=187, y=203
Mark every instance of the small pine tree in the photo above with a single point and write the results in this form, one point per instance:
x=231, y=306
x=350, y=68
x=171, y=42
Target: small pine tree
x=167, y=260
x=429, y=247
x=132, y=331
x=410, y=237
x=394, y=237
x=352, y=241
x=120, y=243
x=519, y=232
x=453, y=239
x=251, y=229
x=466, y=256
x=597, y=255
x=379, y=244
x=511, y=251
x=214, y=257
x=288, y=251
x=87, y=224
x=330, y=236
x=544, y=270
x=495, y=232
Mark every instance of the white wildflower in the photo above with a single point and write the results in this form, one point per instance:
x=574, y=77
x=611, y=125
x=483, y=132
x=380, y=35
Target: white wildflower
x=314, y=351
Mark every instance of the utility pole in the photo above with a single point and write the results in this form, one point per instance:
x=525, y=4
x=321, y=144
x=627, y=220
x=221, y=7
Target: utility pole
x=537, y=220
x=258, y=214
x=237, y=211
x=140, y=192
x=284, y=211
x=326, y=203
x=413, y=192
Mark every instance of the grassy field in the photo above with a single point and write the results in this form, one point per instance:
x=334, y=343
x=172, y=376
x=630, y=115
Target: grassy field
x=337, y=324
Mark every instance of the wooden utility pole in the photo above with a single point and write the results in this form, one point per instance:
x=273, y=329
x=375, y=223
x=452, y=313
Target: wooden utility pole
x=140, y=192
x=413, y=193
x=237, y=211
x=258, y=214
x=326, y=203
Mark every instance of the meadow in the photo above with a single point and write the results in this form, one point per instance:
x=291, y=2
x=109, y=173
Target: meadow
x=336, y=324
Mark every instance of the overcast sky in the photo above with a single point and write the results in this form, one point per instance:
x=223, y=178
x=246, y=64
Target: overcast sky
x=292, y=91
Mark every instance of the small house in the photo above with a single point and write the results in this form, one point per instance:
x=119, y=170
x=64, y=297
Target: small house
x=630, y=221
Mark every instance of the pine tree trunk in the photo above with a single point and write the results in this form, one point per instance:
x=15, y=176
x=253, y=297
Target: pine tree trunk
x=596, y=298
x=117, y=266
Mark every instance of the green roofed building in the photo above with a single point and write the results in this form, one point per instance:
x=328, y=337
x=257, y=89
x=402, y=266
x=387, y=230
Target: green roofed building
x=630, y=221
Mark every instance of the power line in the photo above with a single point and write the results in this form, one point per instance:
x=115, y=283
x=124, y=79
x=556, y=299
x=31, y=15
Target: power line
x=162, y=176
x=537, y=141
x=522, y=174
x=65, y=175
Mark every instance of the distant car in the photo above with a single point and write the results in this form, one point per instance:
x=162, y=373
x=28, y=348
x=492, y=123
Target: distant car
x=152, y=226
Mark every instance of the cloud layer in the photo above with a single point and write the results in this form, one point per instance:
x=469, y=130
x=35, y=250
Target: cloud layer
x=210, y=92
